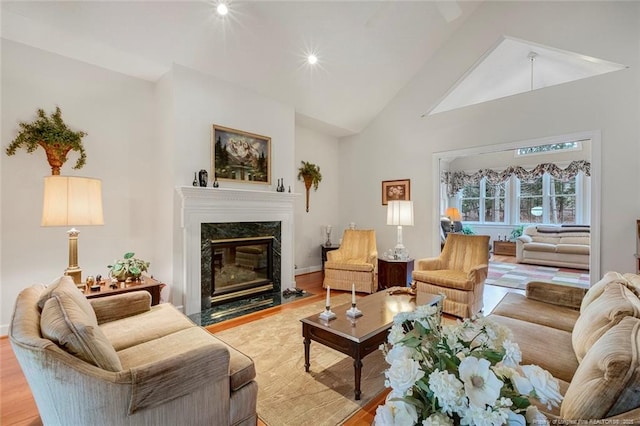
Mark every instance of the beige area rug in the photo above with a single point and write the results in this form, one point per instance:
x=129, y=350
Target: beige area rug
x=287, y=395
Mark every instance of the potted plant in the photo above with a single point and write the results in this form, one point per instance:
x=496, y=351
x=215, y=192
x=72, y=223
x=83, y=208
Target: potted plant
x=310, y=174
x=127, y=269
x=53, y=135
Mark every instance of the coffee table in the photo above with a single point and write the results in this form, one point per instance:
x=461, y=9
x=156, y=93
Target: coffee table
x=358, y=337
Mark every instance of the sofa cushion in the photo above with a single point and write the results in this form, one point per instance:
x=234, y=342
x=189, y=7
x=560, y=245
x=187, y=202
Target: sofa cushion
x=633, y=281
x=242, y=370
x=66, y=285
x=67, y=325
x=359, y=265
x=518, y=306
x=615, y=303
x=547, y=347
x=610, y=372
x=572, y=248
x=161, y=320
x=596, y=290
x=549, y=247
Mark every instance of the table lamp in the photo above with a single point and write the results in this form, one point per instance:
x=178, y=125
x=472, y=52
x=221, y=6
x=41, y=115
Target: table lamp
x=400, y=213
x=72, y=201
x=454, y=216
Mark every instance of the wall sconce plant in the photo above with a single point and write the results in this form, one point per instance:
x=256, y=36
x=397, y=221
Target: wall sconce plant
x=310, y=174
x=53, y=135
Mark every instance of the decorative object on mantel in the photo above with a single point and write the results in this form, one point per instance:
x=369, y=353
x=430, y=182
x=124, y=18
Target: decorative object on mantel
x=310, y=174
x=203, y=178
x=128, y=269
x=215, y=182
x=195, y=179
x=467, y=373
x=241, y=156
x=53, y=135
x=280, y=186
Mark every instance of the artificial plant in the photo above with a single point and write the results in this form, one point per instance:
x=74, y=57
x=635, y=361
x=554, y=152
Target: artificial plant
x=127, y=268
x=53, y=135
x=310, y=174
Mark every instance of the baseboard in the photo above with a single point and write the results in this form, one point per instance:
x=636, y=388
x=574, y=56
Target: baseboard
x=310, y=269
x=4, y=330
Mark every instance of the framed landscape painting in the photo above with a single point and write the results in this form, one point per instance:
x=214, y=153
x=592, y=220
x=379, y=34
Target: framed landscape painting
x=396, y=190
x=241, y=156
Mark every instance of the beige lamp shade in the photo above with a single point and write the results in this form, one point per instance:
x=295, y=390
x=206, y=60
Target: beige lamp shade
x=72, y=201
x=453, y=214
x=400, y=213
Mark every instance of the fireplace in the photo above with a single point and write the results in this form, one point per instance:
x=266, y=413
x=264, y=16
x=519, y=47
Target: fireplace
x=208, y=214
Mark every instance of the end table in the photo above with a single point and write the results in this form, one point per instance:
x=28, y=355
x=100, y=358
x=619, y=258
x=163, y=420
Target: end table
x=392, y=273
x=326, y=249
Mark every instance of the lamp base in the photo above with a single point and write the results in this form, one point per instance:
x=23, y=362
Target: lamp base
x=76, y=274
x=400, y=252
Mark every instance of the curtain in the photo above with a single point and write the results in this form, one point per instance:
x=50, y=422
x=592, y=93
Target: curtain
x=455, y=181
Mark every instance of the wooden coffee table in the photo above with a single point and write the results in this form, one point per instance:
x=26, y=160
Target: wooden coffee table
x=360, y=336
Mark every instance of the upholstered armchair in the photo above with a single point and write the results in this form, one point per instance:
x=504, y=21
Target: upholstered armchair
x=459, y=272
x=353, y=263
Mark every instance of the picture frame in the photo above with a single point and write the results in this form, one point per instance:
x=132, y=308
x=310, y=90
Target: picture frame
x=240, y=156
x=396, y=190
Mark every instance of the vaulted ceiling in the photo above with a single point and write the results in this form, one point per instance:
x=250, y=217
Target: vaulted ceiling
x=367, y=50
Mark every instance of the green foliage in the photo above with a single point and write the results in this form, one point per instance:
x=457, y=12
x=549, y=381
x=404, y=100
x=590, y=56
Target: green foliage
x=312, y=171
x=49, y=131
x=127, y=267
x=517, y=231
x=467, y=230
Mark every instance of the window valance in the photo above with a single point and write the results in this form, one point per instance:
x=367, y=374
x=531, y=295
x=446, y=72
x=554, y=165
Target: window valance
x=455, y=181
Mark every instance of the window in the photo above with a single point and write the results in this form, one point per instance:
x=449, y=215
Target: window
x=549, y=148
x=531, y=202
x=484, y=202
x=562, y=201
x=494, y=202
x=470, y=203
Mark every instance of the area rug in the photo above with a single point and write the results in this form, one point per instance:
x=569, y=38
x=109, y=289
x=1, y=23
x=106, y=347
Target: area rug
x=517, y=275
x=287, y=395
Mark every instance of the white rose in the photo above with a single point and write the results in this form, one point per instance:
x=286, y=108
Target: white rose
x=437, y=419
x=545, y=385
x=522, y=384
x=534, y=416
x=395, y=334
x=399, y=352
x=396, y=413
x=403, y=374
x=516, y=419
x=513, y=356
x=384, y=415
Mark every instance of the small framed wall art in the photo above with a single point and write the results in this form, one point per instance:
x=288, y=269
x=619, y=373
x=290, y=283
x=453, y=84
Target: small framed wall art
x=241, y=156
x=396, y=190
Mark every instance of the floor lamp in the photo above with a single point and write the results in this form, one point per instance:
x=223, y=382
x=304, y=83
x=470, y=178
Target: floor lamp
x=400, y=213
x=72, y=201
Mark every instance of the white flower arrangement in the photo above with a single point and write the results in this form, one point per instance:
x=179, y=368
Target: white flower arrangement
x=463, y=374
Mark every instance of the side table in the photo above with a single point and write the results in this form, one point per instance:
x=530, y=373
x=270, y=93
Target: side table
x=392, y=273
x=504, y=248
x=326, y=249
x=147, y=284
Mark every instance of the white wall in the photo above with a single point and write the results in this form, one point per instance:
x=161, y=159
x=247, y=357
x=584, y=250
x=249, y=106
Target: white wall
x=117, y=113
x=400, y=143
x=321, y=150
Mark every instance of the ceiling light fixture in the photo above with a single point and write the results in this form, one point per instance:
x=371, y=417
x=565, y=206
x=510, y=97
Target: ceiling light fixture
x=532, y=57
x=312, y=59
x=222, y=9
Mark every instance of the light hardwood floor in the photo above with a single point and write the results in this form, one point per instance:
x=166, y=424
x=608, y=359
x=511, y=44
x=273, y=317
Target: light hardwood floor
x=17, y=406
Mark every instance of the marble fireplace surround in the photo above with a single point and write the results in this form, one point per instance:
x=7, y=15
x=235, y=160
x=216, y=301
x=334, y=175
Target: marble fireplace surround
x=221, y=205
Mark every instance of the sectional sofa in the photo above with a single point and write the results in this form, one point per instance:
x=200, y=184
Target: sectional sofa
x=589, y=340
x=563, y=246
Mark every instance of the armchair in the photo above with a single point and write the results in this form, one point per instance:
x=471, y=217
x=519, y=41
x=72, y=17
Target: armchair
x=353, y=263
x=459, y=272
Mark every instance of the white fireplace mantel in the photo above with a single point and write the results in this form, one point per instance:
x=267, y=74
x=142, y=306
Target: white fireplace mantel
x=222, y=205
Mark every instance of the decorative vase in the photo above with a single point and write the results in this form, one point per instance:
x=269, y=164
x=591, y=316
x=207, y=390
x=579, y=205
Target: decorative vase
x=56, y=156
x=203, y=176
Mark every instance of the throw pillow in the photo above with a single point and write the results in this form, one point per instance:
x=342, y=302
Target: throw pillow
x=67, y=325
x=596, y=290
x=615, y=303
x=66, y=285
x=607, y=382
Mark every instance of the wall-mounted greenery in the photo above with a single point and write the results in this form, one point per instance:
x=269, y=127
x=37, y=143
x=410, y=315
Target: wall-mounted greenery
x=53, y=135
x=310, y=174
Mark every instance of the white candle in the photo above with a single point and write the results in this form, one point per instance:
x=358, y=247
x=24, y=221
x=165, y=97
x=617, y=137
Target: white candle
x=353, y=294
x=328, y=303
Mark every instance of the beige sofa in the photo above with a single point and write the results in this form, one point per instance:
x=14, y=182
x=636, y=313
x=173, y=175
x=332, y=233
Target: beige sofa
x=589, y=340
x=563, y=246
x=118, y=361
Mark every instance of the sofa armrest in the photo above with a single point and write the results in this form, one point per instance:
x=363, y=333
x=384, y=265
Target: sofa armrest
x=181, y=373
x=555, y=294
x=334, y=255
x=524, y=239
x=429, y=264
x=372, y=258
x=111, y=308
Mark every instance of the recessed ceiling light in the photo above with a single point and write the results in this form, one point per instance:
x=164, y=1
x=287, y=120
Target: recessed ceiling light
x=222, y=9
x=312, y=59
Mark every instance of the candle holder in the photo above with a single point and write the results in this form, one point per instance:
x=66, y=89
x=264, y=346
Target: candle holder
x=327, y=315
x=354, y=312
